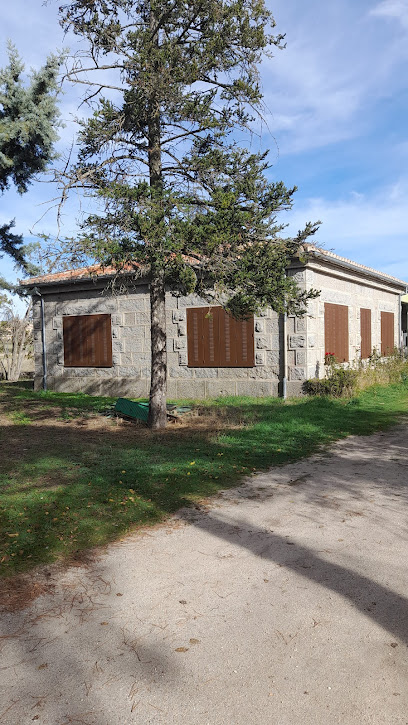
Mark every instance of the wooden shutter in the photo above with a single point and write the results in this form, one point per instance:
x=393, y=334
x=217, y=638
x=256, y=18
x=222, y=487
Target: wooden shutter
x=336, y=335
x=87, y=341
x=198, y=330
x=216, y=339
x=365, y=329
x=387, y=333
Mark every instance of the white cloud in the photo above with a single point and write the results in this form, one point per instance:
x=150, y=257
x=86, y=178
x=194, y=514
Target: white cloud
x=339, y=63
x=371, y=229
x=310, y=101
x=395, y=9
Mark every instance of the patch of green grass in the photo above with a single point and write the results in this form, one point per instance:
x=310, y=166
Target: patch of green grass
x=60, y=493
x=19, y=417
x=78, y=401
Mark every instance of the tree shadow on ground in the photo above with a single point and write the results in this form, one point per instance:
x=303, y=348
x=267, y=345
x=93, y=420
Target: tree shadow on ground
x=386, y=608
x=61, y=659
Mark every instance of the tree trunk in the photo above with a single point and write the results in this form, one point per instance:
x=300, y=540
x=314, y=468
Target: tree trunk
x=15, y=346
x=22, y=349
x=14, y=357
x=158, y=384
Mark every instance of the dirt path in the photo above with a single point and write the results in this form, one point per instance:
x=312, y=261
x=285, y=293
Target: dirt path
x=284, y=602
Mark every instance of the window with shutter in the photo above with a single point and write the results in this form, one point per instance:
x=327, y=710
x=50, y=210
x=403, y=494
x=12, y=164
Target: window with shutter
x=387, y=333
x=365, y=329
x=336, y=335
x=87, y=341
x=216, y=339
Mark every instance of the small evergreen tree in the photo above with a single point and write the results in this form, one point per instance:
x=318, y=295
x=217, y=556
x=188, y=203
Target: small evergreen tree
x=175, y=88
x=28, y=123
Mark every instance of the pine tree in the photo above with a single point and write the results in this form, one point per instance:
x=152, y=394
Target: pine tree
x=28, y=131
x=175, y=91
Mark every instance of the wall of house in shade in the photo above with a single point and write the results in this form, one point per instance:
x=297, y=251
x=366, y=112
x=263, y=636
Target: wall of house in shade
x=130, y=371
x=129, y=374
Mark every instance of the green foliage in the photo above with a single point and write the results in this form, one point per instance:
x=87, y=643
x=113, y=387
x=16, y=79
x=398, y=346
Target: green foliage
x=28, y=131
x=28, y=120
x=178, y=191
x=345, y=381
x=340, y=382
x=66, y=488
x=383, y=370
x=13, y=245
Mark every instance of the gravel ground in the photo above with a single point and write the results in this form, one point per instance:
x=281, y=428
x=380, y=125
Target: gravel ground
x=283, y=601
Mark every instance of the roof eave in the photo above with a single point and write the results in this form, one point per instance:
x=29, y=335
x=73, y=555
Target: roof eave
x=358, y=269
x=71, y=281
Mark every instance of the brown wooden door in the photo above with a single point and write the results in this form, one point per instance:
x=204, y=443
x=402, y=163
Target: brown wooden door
x=387, y=333
x=365, y=329
x=336, y=334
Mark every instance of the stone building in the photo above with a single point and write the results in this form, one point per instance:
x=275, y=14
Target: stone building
x=89, y=340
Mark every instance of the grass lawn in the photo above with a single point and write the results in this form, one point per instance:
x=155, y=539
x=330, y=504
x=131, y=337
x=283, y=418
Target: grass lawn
x=72, y=478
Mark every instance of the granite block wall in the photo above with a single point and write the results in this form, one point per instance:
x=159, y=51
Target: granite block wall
x=130, y=373
x=346, y=288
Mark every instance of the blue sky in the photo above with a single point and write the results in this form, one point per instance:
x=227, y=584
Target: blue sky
x=336, y=122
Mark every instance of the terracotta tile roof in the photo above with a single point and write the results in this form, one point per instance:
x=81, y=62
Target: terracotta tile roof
x=93, y=271
x=96, y=271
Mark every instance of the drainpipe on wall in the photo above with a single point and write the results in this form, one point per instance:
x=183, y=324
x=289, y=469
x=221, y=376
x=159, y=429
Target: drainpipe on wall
x=37, y=292
x=400, y=322
x=403, y=338
x=284, y=357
